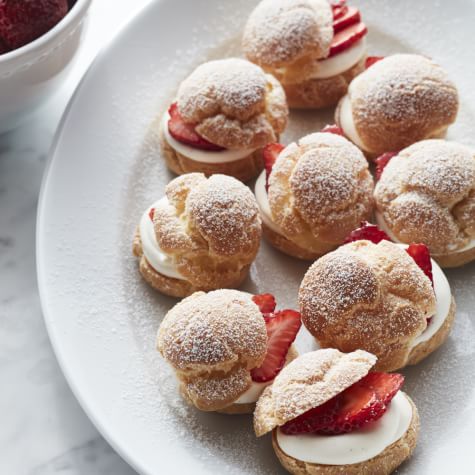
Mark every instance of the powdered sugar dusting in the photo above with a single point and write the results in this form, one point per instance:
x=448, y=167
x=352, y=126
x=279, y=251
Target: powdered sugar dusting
x=282, y=31
x=109, y=306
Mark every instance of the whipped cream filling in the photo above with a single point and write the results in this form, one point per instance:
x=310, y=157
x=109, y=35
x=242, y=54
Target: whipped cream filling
x=354, y=447
x=253, y=393
x=347, y=122
x=341, y=62
x=263, y=203
x=204, y=156
x=159, y=260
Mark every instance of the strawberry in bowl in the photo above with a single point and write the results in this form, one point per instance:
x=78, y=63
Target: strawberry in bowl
x=38, y=40
x=315, y=51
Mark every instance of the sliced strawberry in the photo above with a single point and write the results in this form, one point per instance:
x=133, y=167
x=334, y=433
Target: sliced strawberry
x=350, y=17
x=151, y=213
x=382, y=161
x=338, y=12
x=333, y=129
x=420, y=253
x=265, y=302
x=370, y=60
x=270, y=153
x=186, y=133
x=350, y=410
x=282, y=328
x=385, y=385
x=347, y=37
x=367, y=231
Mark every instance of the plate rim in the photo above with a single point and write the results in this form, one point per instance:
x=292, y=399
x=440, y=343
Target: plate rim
x=96, y=419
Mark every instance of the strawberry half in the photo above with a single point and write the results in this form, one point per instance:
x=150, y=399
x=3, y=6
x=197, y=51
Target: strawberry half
x=370, y=60
x=265, y=302
x=22, y=21
x=382, y=161
x=364, y=402
x=347, y=37
x=348, y=18
x=333, y=129
x=270, y=153
x=367, y=231
x=151, y=213
x=421, y=255
x=185, y=133
x=385, y=385
x=350, y=410
x=282, y=328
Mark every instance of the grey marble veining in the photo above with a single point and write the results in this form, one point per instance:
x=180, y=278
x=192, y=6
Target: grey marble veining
x=43, y=430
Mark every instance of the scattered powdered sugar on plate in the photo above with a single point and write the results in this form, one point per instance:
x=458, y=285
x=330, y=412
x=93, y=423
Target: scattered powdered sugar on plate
x=120, y=306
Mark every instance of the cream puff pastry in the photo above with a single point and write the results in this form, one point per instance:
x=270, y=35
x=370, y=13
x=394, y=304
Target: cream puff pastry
x=203, y=235
x=378, y=297
x=330, y=415
x=316, y=192
x=222, y=116
x=226, y=346
x=313, y=48
x=426, y=193
x=397, y=101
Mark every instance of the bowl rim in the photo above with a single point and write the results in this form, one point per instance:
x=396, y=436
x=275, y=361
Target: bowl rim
x=78, y=9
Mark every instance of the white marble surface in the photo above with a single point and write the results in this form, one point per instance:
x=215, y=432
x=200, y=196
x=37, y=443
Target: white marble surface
x=43, y=430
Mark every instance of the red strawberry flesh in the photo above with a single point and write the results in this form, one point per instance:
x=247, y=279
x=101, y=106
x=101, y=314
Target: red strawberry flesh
x=421, y=255
x=333, y=129
x=385, y=385
x=367, y=231
x=370, y=60
x=344, y=39
x=382, y=161
x=350, y=17
x=265, y=302
x=151, y=213
x=186, y=133
x=364, y=402
x=22, y=21
x=270, y=153
x=339, y=10
x=282, y=328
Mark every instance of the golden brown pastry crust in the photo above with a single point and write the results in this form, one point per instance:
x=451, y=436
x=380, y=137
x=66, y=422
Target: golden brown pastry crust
x=400, y=100
x=424, y=349
x=321, y=93
x=212, y=341
x=285, y=245
x=244, y=169
x=367, y=296
x=455, y=259
x=319, y=191
x=212, y=229
x=427, y=194
x=383, y=464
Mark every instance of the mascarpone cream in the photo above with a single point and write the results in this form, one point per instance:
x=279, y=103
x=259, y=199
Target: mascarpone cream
x=347, y=122
x=160, y=261
x=263, y=203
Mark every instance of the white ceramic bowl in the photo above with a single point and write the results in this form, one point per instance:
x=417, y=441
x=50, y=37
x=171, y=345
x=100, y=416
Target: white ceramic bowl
x=29, y=75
